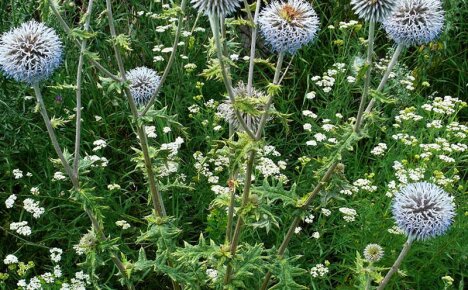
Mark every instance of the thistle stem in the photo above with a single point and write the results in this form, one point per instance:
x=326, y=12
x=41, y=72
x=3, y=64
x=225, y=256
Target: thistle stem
x=396, y=265
x=384, y=80
x=79, y=76
x=370, y=53
x=69, y=32
x=170, y=62
x=94, y=221
x=253, y=43
x=156, y=197
x=214, y=22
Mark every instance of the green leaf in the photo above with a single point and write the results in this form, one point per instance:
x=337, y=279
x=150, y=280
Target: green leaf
x=82, y=34
x=285, y=271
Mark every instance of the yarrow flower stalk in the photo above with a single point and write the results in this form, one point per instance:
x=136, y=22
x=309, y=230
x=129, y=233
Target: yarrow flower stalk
x=287, y=26
x=30, y=53
x=373, y=10
x=415, y=22
x=216, y=7
x=422, y=210
x=143, y=84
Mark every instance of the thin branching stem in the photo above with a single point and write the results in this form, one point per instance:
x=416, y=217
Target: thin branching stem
x=170, y=62
x=79, y=76
x=70, y=33
x=384, y=80
x=156, y=197
x=214, y=22
x=253, y=43
x=367, y=81
x=98, y=229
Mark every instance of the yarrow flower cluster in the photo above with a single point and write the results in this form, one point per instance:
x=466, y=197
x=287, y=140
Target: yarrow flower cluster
x=143, y=84
x=216, y=7
x=30, y=53
x=287, y=26
x=319, y=270
x=423, y=210
x=226, y=110
x=373, y=10
x=415, y=22
x=373, y=252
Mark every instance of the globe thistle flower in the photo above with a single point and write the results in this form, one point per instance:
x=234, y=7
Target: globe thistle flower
x=216, y=7
x=143, y=84
x=423, y=210
x=30, y=53
x=287, y=26
x=373, y=252
x=227, y=111
x=373, y=10
x=415, y=22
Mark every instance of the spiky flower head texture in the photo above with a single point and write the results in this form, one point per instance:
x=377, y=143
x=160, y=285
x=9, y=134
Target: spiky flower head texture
x=373, y=10
x=373, y=252
x=143, y=84
x=415, y=22
x=227, y=111
x=287, y=26
x=216, y=7
x=423, y=210
x=30, y=53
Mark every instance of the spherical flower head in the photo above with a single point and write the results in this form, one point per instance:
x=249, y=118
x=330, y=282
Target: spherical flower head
x=143, y=84
x=373, y=253
x=415, y=22
x=216, y=7
x=227, y=111
x=423, y=210
x=373, y=10
x=287, y=26
x=30, y=53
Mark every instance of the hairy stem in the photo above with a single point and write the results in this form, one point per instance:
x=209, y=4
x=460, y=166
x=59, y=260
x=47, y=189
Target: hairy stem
x=253, y=42
x=214, y=22
x=156, y=197
x=79, y=76
x=69, y=32
x=389, y=69
x=170, y=62
x=370, y=53
x=94, y=221
x=396, y=265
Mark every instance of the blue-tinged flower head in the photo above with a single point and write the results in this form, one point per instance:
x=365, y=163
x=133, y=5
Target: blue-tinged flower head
x=216, y=7
x=143, y=84
x=30, y=53
x=373, y=10
x=226, y=110
x=287, y=26
x=423, y=210
x=415, y=22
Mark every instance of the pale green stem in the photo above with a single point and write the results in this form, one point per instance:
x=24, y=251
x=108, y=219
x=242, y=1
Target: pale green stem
x=253, y=43
x=170, y=62
x=370, y=53
x=79, y=75
x=156, y=197
x=389, y=69
x=214, y=22
x=94, y=221
x=69, y=32
x=396, y=265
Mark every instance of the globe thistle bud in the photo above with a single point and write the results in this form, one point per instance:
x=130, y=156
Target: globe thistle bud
x=30, y=53
x=415, y=22
x=227, y=111
x=216, y=7
x=423, y=210
x=373, y=10
x=287, y=26
x=143, y=84
x=373, y=253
